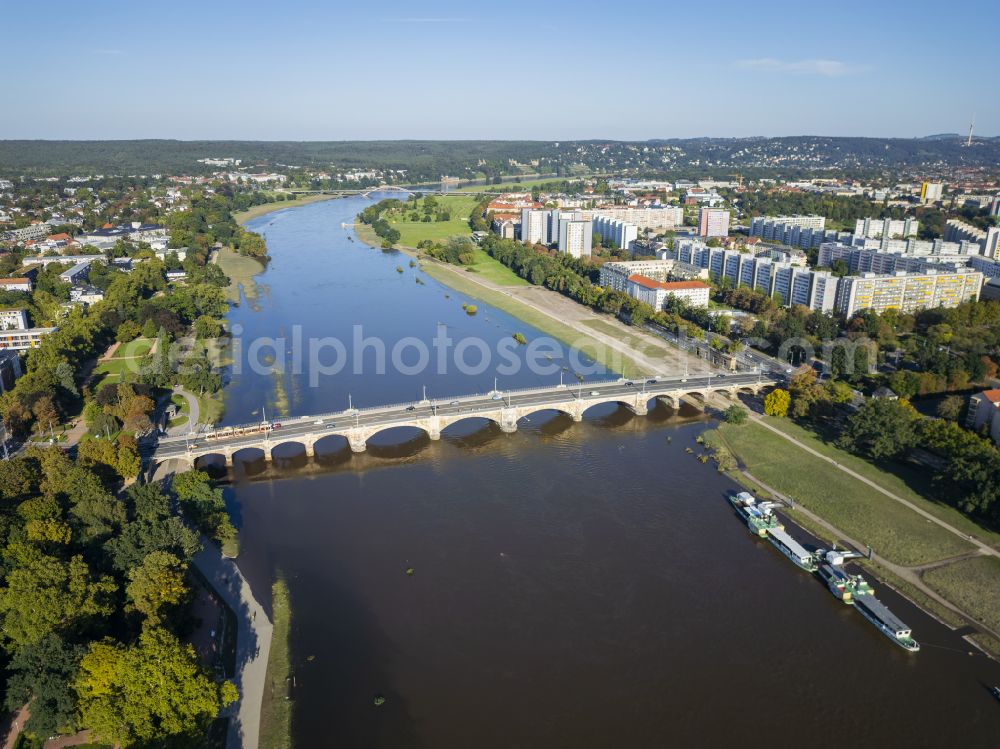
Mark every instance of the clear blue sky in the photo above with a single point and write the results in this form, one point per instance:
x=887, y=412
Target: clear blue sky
x=510, y=69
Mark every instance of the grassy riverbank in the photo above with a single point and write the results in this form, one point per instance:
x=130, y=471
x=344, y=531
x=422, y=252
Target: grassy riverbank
x=894, y=531
x=259, y=210
x=464, y=282
x=973, y=584
x=276, y=709
x=241, y=271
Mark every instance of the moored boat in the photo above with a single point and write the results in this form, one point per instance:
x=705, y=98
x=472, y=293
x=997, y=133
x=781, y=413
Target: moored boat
x=792, y=549
x=759, y=516
x=886, y=622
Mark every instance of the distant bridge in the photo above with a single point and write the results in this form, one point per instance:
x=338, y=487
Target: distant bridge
x=503, y=408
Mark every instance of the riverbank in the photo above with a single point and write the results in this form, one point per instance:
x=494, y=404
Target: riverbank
x=241, y=271
x=921, y=548
x=259, y=210
x=610, y=342
x=276, y=707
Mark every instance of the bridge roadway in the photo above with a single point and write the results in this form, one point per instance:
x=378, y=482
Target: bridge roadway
x=505, y=408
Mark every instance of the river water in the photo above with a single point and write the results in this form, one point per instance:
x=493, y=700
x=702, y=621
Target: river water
x=574, y=585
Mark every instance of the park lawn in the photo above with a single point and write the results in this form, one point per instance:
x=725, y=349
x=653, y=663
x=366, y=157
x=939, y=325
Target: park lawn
x=493, y=270
x=412, y=232
x=892, y=530
x=110, y=372
x=888, y=480
x=276, y=710
x=973, y=585
x=138, y=347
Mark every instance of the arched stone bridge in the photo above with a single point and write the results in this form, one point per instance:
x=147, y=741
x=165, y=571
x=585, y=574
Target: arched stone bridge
x=505, y=408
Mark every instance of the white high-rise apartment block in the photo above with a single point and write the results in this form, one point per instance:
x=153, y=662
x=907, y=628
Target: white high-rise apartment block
x=988, y=240
x=931, y=191
x=713, y=222
x=575, y=238
x=535, y=226
x=876, y=228
x=621, y=233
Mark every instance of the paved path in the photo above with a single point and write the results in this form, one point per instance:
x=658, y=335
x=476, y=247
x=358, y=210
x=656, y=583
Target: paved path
x=253, y=643
x=983, y=548
x=193, y=413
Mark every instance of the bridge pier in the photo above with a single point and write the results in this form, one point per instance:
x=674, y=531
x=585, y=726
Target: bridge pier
x=310, y=449
x=637, y=409
x=358, y=445
x=434, y=434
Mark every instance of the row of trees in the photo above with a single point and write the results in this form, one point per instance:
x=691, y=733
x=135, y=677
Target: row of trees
x=966, y=472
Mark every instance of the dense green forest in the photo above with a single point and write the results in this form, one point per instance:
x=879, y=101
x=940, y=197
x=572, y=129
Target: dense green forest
x=428, y=160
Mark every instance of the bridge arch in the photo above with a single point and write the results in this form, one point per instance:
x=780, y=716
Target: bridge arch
x=558, y=408
x=593, y=404
x=290, y=448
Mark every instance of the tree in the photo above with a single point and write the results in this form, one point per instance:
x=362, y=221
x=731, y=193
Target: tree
x=206, y=507
x=45, y=594
x=45, y=412
x=128, y=331
x=42, y=674
x=150, y=527
x=157, y=585
x=18, y=478
x=149, y=691
x=207, y=326
x=776, y=402
x=951, y=407
x=881, y=429
x=736, y=414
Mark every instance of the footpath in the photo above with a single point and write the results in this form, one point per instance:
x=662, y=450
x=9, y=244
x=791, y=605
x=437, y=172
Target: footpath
x=253, y=643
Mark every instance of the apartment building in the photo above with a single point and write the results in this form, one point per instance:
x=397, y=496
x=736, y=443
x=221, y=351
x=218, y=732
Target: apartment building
x=907, y=292
x=792, y=283
x=666, y=217
x=15, y=284
x=988, y=240
x=575, y=238
x=13, y=319
x=656, y=293
x=615, y=275
x=876, y=228
x=795, y=231
x=713, y=222
x=36, y=230
x=862, y=260
x=23, y=339
x=931, y=191
x=535, y=226
x=621, y=233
